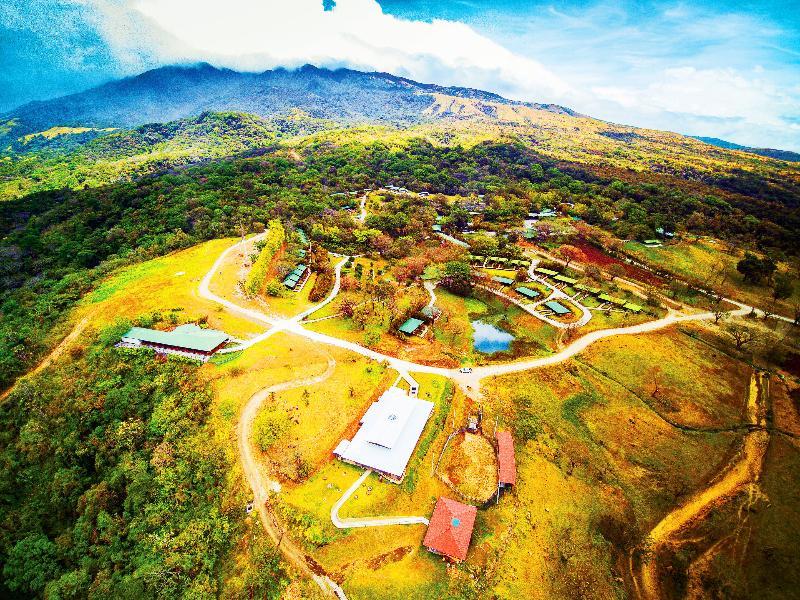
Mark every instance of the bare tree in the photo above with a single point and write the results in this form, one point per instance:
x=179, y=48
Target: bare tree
x=741, y=334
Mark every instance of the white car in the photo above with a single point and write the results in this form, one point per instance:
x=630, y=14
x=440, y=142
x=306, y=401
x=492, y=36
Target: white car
x=465, y=370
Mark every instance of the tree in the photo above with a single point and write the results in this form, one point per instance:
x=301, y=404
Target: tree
x=782, y=287
x=592, y=272
x=755, y=269
x=615, y=270
x=568, y=253
x=717, y=310
x=31, y=564
x=457, y=278
x=741, y=334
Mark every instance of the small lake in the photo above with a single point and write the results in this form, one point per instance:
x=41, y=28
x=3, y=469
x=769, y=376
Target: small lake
x=487, y=338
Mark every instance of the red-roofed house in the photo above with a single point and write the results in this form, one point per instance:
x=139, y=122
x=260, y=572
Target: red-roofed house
x=506, y=461
x=450, y=529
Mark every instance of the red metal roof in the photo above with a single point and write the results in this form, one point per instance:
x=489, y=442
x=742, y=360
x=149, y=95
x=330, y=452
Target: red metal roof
x=450, y=529
x=507, y=463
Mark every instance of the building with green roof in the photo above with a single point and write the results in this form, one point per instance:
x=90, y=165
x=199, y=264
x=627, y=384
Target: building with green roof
x=612, y=300
x=502, y=280
x=186, y=340
x=544, y=271
x=565, y=279
x=410, y=326
x=633, y=307
x=527, y=292
x=557, y=308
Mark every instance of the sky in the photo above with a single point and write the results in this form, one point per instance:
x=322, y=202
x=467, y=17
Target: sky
x=709, y=68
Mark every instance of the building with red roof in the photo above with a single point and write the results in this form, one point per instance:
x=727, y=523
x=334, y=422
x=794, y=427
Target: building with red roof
x=450, y=529
x=506, y=461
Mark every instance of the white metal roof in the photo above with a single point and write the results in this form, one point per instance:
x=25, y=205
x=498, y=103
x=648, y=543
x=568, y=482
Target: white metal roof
x=388, y=418
x=390, y=430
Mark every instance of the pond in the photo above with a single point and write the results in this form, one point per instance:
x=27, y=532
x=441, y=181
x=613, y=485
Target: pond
x=487, y=338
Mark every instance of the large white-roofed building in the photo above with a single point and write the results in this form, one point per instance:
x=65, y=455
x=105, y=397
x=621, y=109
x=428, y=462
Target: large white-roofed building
x=389, y=432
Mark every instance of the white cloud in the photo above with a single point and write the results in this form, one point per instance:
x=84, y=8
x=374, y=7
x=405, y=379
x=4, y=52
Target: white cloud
x=255, y=35
x=721, y=102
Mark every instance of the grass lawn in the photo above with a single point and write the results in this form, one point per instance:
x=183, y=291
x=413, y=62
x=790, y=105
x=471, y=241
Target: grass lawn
x=166, y=285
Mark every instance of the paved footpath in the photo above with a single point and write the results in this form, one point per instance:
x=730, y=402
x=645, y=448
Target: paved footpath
x=368, y=521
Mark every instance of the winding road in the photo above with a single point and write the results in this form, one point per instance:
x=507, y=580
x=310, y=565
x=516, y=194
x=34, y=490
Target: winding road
x=293, y=553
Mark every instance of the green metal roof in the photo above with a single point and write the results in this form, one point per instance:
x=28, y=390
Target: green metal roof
x=503, y=280
x=607, y=298
x=557, y=308
x=546, y=271
x=586, y=288
x=527, y=292
x=410, y=326
x=633, y=307
x=565, y=279
x=189, y=336
x=437, y=227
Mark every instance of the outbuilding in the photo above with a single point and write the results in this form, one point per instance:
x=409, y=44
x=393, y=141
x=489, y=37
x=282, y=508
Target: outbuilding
x=450, y=530
x=506, y=460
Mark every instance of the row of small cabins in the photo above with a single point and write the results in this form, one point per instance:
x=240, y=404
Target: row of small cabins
x=385, y=441
x=569, y=281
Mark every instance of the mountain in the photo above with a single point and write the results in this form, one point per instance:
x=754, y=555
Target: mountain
x=786, y=155
x=176, y=92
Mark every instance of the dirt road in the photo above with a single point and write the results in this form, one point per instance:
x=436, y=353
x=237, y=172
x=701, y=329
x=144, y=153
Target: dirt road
x=744, y=470
x=55, y=353
x=291, y=552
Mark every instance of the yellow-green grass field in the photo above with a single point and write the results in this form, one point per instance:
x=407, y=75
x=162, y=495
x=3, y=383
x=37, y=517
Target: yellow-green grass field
x=708, y=261
x=686, y=380
x=164, y=285
x=596, y=468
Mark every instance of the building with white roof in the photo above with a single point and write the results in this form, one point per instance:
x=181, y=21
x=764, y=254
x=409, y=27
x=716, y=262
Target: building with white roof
x=389, y=432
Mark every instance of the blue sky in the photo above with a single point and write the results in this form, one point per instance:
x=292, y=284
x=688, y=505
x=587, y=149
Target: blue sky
x=700, y=68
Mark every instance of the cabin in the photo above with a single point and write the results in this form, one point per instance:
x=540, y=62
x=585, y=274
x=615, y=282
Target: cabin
x=450, y=529
x=565, y=279
x=527, y=292
x=430, y=313
x=190, y=341
x=548, y=272
x=502, y=280
x=294, y=280
x=652, y=243
x=411, y=326
x=388, y=434
x=506, y=460
x=557, y=308
x=589, y=290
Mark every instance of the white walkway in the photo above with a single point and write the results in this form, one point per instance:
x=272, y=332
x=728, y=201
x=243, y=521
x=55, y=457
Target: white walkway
x=368, y=521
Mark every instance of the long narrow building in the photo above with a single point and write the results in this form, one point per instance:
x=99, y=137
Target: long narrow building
x=187, y=340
